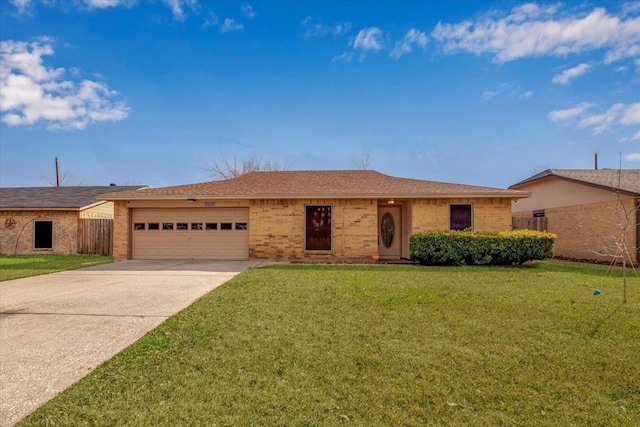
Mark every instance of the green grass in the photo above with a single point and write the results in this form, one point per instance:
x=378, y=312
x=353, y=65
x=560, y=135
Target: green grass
x=303, y=345
x=18, y=266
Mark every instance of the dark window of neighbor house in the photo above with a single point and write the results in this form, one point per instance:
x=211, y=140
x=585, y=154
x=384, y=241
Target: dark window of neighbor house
x=318, y=228
x=538, y=214
x=43, y=234
x=460, y=217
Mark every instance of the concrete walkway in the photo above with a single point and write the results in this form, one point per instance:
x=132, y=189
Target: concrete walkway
x=56, y=328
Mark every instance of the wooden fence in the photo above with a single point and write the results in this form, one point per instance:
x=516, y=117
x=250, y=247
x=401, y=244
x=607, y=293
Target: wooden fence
x=95, y=236
x=533, y=223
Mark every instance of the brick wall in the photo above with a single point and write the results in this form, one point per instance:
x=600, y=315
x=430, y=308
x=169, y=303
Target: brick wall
x=589, y=232
x=17, y=232
x=488, y=214
x=121, y=230
x=277, y=229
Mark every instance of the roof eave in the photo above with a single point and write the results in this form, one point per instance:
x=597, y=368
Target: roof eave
x=509, y=195
x=42, y=208
x=575, y=181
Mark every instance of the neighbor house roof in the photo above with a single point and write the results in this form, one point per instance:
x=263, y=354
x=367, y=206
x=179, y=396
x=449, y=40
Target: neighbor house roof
x=626, y=181
x=58, y=198
x=316, y=184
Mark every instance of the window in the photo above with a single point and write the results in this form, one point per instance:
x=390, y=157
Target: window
x=182, y=226
x=138, y=226
x=153, y=226
x=460, y=217
x=167, y=226
x=538, y=214
x=318, y=228
x=241, y=225
x=226, y=226
x=211, y=226
x=196, y=226
x=43, y=234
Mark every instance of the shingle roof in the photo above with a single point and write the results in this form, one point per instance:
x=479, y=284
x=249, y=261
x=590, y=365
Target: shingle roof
x=316, y=184
x=625, y=180
x=55, y=197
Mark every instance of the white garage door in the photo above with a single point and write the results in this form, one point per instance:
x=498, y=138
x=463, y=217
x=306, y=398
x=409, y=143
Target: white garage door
x=197, y=233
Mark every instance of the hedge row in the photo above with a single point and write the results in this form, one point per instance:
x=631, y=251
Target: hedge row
x=474, y=248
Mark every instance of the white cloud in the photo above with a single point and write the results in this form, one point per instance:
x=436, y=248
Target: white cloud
x=369, y=39
x=489, y=94
x=633, y=157
x=247, y=9
x=412, y=38
x=617, y=114
x=566, y=75
x=527, y=95
x=20, y=5
x=315, y=28
x=531, y=31
x=345, y=57
x=177, y=6
x=31, y=92
x=631, y=115
x=230, y=25
x=211, y=20
x=102, y=4
x=603, y=121
x=571, y=113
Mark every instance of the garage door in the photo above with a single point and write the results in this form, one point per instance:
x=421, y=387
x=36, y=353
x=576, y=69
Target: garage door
x=197, y=233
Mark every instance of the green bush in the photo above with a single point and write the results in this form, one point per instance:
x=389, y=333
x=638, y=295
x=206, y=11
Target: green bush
x=475, y=248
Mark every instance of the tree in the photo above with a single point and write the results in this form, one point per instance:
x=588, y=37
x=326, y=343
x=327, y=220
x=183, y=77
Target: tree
x=61, y=177
x=228, y=166
x=364, y=161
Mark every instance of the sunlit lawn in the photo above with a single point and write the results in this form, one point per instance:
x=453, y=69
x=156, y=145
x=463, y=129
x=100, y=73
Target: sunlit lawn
x=15, y=267
x=306, y=345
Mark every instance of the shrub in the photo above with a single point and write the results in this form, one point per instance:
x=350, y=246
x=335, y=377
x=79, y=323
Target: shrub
x=480, y=248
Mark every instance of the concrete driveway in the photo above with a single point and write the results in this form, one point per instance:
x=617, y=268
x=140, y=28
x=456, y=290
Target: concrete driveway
x=56, y=328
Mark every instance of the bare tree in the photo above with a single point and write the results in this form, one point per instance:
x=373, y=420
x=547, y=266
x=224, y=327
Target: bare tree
x=228, y=166
x=619, y=225
x=61, y=177
x=364, y=161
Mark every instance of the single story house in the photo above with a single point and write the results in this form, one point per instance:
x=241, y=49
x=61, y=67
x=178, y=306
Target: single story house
x=594, y=212
x=35, y=220
x=299, y=215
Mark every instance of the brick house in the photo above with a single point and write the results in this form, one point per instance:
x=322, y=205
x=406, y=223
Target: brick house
x=37, y=220
x=589, y=210
x=299, y=215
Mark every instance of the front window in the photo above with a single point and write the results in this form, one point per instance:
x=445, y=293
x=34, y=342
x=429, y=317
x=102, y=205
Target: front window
x=460, y=217
x=318, y=228
x=43, y=234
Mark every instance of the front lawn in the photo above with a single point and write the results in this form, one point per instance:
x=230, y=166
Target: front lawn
x=18, y=266
x=323, y=345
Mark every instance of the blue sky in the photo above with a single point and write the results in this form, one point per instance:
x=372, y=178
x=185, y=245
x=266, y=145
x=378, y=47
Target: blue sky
x=150, y=92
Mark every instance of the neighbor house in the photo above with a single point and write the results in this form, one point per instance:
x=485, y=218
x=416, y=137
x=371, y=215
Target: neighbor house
x=594, y=212
x=37, y=220
x=299, y=215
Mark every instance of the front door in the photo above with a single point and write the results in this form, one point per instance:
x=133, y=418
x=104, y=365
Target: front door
x=389, y=232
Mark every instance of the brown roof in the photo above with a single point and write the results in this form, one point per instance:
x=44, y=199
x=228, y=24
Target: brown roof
x=626, y=181
x=316, y=184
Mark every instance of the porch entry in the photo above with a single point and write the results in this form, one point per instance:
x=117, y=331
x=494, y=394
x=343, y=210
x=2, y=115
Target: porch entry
x=390, y=232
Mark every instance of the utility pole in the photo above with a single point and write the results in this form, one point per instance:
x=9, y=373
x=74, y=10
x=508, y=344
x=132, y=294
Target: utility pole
x=57, y=174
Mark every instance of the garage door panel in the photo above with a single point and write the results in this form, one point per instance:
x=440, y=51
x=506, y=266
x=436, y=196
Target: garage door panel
x=198, y=241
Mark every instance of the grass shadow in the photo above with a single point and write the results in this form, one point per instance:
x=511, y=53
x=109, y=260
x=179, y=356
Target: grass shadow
x=601, y=322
